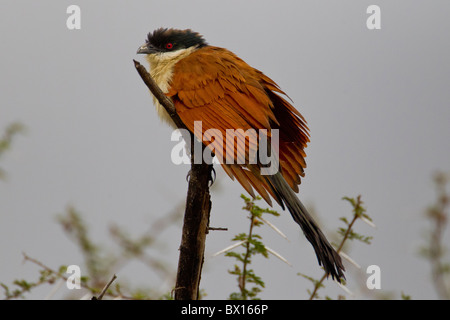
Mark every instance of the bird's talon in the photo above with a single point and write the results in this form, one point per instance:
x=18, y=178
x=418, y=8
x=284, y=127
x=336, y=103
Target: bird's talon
x=211, y=178
x=188, y=175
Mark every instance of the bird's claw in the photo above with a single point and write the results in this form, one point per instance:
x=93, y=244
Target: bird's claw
x=212, y=177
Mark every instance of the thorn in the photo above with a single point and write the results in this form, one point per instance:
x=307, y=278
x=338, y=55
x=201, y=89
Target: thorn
x=346, y=257
x=237, y=244
x=273, y=227
x=279, y=256
x=344, y=288
x=370, y=223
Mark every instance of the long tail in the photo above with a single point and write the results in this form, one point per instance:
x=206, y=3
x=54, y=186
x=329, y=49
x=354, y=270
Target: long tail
x=326, y=255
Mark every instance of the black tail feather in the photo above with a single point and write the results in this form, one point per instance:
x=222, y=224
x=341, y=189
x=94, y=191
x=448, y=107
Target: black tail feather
x=326, y=254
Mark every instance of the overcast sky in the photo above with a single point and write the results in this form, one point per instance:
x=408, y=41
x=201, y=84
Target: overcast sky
x=376, y=102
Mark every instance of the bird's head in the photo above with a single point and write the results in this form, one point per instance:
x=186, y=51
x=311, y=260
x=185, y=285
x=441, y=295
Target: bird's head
x=165, y=40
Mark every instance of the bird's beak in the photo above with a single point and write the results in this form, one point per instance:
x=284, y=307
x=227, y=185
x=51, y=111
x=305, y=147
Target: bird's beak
x=146, y=49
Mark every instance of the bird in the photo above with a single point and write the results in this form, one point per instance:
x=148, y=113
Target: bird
x=213, y=85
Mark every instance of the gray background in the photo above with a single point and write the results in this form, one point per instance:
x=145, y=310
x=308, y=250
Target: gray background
x=377, y=104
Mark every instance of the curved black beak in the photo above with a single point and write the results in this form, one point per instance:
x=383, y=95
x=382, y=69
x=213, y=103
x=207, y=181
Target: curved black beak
x=146, y=49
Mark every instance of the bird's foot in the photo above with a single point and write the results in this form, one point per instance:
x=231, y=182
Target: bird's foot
x=211, y=178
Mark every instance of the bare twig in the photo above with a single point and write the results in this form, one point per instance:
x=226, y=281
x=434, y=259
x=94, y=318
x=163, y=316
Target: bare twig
x=217, y=229
x=100, y=296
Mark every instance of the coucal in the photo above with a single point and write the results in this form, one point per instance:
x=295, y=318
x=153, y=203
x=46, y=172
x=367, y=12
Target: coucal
x=214, y=86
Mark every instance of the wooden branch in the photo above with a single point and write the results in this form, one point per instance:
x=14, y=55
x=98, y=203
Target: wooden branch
x=198, y=207
x=100, y=297
x=195, y=228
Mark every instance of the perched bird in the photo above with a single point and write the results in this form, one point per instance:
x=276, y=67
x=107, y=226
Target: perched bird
x=214, y=86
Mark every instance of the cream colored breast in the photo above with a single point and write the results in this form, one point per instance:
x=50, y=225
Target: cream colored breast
x=161, y=70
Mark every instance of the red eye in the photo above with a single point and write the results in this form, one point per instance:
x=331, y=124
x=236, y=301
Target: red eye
x=169, y=45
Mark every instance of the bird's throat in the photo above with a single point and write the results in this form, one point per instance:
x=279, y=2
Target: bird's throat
x=161, y=70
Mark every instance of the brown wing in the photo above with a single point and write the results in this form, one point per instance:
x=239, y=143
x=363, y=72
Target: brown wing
x=214, y=86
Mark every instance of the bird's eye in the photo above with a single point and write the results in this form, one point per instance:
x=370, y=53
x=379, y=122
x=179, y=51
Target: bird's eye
x=169, y=45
